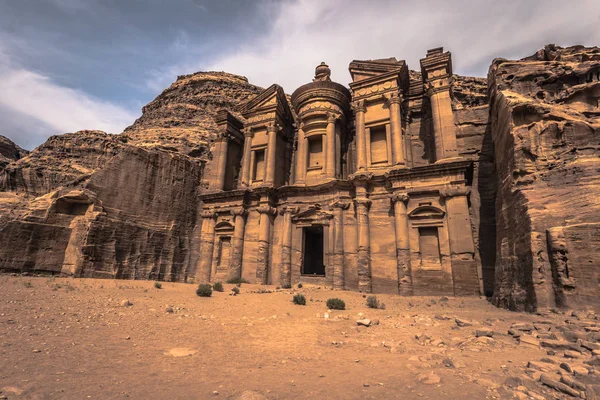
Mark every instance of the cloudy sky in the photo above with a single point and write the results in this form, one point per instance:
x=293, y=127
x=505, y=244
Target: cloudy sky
x=67, y=65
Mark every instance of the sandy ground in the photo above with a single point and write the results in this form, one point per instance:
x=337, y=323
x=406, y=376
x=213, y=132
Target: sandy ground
x=64, y=338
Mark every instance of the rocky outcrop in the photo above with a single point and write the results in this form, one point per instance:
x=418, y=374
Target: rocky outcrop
x=182, y=117
x=121, y=206
x=546, y=134
x=9, y=151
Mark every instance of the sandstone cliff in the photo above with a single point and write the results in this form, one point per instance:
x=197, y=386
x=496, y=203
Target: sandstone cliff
x=122, y=206
x=181, y=118
x=546, y=133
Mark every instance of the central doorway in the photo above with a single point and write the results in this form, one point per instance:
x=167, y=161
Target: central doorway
x=313, y=251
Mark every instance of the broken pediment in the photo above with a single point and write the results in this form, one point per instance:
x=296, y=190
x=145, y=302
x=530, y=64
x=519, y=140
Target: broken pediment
x=360, y=70
x=270, y=100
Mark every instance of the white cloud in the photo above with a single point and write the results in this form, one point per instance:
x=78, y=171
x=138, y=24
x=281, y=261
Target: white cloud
x=306, y=32
x=30, y=101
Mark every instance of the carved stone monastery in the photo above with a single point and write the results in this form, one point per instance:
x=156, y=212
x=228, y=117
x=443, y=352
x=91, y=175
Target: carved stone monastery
x=352, y=204
x=409, y=182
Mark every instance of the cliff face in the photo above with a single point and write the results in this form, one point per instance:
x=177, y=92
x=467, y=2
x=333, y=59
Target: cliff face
x=546, y=133
x=182, y=117
x=120, y=206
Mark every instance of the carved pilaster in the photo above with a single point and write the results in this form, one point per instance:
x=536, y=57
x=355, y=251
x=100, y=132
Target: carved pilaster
x=338, y=244
x=286, y=246
x=207, y=241
x=237, y=243
x=272, y=129
x=361, y=144
x=264, y=235
x=364, y=244
x=399, y=201
x=245, y=173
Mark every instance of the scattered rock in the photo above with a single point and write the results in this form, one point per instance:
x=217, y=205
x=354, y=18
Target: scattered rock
x=126, y=303
x=484, y=332
x=463, y=322
x=363, y=322
x=448, y=363
x=556, y=385
x=169, y=310
x=429, y=379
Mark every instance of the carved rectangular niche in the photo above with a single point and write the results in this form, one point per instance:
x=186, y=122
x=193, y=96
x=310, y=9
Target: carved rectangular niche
x=258, y=167
x=379, y=145
x=224, y=252
x=429, y=246
x=315, y=152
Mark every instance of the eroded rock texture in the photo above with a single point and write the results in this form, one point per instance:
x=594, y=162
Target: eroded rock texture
x=546, y=133
x=120, y=206
x=181, y=118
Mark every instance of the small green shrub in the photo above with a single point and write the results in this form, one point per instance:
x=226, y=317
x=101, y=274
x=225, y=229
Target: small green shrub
x=158, y=285
x=204, y=290
x=372, y=302
x=336, y=304
x=218, y=287
x=235, y=290
x=286, y=287
x=299, y=300
x=27, y=284
x=237, y=281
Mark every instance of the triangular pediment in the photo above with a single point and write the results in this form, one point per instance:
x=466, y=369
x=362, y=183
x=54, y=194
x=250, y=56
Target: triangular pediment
x=272, y=98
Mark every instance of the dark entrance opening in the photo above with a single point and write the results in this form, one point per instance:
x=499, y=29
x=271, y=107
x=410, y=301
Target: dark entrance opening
x=313, y=251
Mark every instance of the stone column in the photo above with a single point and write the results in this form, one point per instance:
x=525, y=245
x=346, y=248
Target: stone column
x=248, y=135
x=286, y=247
x=362, y=204
x=207, y=243
x=339, y=281
x=222, y=165
x=467, y=275
x=330, y=156
x=395, y=102
x=443, y=122
x=402, y=244
x=237, y=243
x=301, y=156
x=271, y=153
x=361, y=144
x=264, y=235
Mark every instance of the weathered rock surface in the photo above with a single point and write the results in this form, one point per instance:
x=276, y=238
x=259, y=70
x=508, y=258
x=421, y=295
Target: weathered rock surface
x=545, y=119
x=121, y=206
x=181, y=118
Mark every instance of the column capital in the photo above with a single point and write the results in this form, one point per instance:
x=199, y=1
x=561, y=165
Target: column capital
x=359, y=106
x=431, y=90
x=273, y=127
x=331, y=118
x=248, y=132
x=361, y=177
x=403, y=197
x=267, y=210
x=289, y=210
x=454, y=191
x=208, y=214
x=363, y=202
x=340, y=204
x=239, y=211
x=395, y=97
